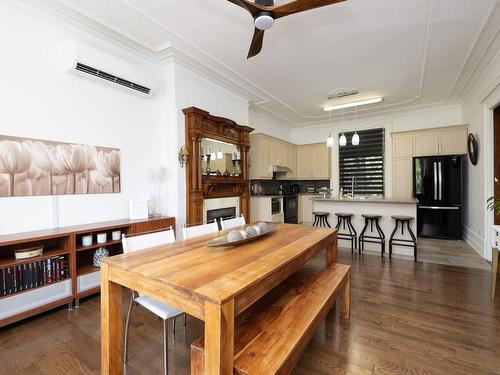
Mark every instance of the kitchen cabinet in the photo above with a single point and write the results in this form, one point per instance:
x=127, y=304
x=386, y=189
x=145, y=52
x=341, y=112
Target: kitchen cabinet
x=402, y=178
x=451, y=140
x=306, y=205
x=266, y=152
x=313, y=162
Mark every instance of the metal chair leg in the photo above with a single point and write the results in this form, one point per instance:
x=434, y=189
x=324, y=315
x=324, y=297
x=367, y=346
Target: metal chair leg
x=391, y=238
x=127, y=324
x=165, y=347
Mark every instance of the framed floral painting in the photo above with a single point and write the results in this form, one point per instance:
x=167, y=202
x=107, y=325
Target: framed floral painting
x=36, y=167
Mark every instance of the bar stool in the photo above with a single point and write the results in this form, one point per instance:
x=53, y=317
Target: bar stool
x=344, y=219
x=403, y=242
x=380, y=239
x=321, y=219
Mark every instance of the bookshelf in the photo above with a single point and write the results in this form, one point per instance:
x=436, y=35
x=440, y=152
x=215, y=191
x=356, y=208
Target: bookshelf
x=77, y=277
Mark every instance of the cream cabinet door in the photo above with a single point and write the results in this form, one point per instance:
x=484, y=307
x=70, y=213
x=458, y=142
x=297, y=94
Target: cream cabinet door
x=321, y=162
x=402, y=146
x=304, y=162
x=305, y=209
x=425, y=144
x=402, y=177
x=453, y=142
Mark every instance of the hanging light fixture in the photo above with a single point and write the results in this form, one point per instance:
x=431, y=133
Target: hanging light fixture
x=329, y=140
x=219, y=154
x=355, y=137
x=342, y=140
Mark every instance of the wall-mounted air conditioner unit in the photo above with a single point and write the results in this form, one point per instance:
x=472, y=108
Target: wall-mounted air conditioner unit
x=99, y=65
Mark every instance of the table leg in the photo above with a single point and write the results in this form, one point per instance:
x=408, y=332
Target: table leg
x=111, y=325
x=346, y=298
x=494, y=271
x=331, y=252
x=219, y=338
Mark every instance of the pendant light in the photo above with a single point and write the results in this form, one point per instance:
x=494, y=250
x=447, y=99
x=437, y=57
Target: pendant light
x=355, y=137
x=329, y=140
x=219, y=154
x=342, y=139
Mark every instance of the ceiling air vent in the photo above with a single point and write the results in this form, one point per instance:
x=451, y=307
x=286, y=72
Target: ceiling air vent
x=112, y=78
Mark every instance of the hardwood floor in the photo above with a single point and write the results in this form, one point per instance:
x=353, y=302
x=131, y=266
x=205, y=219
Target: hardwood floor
x=406, y=318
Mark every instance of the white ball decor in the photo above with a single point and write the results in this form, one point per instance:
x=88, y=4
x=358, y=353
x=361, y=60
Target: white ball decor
x=262, y=226
x=251, y=231
x=234, y=235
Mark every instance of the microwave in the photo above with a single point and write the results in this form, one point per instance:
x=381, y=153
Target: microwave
x=276, y=205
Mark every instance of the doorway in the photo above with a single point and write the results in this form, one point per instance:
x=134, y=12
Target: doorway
x=496, y=155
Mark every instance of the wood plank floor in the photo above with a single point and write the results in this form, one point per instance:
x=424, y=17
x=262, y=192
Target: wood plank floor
x=407, y=318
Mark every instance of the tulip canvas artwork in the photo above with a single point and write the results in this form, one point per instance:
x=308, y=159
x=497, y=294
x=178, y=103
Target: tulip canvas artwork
x=36, y=167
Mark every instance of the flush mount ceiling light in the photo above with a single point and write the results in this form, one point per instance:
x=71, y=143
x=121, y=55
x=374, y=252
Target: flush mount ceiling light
x=264, y=21
x=332, y=107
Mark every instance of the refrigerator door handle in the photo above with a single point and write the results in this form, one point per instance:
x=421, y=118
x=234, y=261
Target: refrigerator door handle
x=440, y=177
x=435, y=181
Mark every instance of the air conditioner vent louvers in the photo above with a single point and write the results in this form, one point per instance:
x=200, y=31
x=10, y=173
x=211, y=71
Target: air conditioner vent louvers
x=110, y=77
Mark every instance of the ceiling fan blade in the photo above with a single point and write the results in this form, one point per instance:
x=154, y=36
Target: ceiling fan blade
x=301, y=6
x=249, y=6
x=256, y=45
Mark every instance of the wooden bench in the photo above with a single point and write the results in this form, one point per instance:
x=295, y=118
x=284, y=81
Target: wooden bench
x=273, y=333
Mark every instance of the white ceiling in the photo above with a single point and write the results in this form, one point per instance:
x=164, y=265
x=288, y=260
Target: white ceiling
x=411, y=52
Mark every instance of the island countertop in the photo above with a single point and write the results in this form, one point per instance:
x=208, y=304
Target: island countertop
x=366, y=200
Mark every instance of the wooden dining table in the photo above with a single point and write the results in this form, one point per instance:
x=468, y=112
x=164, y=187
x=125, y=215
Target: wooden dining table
x=212, y=284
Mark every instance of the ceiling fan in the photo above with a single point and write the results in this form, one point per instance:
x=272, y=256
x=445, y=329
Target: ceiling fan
x=265, y=12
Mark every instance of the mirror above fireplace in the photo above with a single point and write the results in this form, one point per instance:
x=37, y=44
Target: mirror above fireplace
x=219, y=158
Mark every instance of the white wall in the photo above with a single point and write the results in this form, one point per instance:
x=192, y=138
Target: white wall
x=273, y=127
x=41, y=100
x=483, y=94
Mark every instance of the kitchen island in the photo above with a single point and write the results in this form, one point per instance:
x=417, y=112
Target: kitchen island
x=386, y=207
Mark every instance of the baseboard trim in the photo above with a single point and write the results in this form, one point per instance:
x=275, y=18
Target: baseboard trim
x=474, y=240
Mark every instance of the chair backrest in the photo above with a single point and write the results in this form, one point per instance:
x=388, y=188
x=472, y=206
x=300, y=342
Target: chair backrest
x=233, y=223
x=199, y=230
x=145, y=241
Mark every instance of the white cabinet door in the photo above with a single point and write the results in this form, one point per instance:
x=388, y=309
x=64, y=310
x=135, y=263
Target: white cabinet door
x=453, y=142
x=402, y=146
x=426, y=144
x=402, y=178
x=321, y=162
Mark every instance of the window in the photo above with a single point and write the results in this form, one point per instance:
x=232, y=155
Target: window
x=365, y=162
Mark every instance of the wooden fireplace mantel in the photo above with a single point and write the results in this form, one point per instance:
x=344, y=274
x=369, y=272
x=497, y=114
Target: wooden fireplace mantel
x=201, y=124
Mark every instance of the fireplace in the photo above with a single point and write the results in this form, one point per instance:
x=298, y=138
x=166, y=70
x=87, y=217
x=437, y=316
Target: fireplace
x=220, y=214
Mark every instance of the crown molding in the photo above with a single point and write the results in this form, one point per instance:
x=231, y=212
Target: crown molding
x=479, y=53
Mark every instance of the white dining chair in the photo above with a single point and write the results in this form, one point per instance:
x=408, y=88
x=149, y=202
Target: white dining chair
x=160, y=309
x=233, y=223
x=199, y=230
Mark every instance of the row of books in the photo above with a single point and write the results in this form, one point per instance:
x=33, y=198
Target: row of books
x=25, y=276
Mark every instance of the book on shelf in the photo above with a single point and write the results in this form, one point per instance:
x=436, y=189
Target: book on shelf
x=19, y=277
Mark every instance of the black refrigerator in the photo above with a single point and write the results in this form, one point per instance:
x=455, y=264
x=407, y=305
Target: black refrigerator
x=438, y=186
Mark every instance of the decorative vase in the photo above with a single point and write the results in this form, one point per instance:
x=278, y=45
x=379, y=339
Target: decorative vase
x=99, y=255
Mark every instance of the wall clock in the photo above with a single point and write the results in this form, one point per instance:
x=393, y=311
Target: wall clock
x=472, y=149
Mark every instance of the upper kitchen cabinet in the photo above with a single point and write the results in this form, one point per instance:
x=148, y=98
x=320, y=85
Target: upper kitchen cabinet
x=430, y=142
x=425, y=144
x=266, y=152
x=313, y=162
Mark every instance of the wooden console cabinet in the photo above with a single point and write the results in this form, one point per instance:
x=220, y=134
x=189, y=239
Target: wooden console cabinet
x=82, y=278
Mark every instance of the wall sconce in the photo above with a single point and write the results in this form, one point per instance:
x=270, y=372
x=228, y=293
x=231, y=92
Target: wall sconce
x=183, y=156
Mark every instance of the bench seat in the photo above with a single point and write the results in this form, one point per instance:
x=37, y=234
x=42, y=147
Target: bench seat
x=273, y=333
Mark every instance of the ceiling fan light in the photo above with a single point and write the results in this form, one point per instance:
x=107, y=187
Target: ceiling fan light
x=264, y=21
x=355, y=139
x=342, y=140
